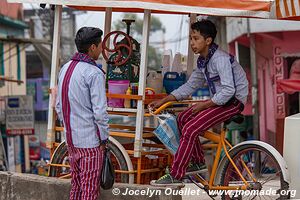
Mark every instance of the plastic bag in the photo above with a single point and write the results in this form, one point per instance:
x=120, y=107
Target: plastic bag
x=108, y=171
x=167, y=131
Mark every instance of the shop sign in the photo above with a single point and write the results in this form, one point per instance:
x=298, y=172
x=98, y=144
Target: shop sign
x=19, y=115
x=278, y=75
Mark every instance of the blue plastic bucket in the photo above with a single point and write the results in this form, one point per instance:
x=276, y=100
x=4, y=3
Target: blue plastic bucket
x=173, y=80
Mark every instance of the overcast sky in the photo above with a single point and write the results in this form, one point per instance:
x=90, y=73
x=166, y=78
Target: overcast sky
x=172, y=23
x=176, y=27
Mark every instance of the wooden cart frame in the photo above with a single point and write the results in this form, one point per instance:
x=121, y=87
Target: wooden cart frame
x=260, y=9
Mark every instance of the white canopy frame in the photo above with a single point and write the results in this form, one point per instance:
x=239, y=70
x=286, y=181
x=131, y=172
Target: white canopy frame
x=280, y=9
x=142, y=80
x=54, y=73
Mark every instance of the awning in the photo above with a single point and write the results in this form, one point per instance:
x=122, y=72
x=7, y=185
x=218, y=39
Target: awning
x=12, y=22
x=280, y=9
x=288, y=86
x=292, y=84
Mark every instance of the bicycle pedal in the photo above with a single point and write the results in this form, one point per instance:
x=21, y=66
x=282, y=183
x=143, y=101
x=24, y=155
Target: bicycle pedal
x=186, y=180
x=193, y=180
x=198, y=185
x=197, y=172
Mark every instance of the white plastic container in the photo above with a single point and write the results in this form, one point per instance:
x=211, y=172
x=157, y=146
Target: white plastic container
x=291, y=149
x=155, y=81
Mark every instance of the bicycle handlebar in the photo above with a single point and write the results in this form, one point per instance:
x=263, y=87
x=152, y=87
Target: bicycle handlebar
x=171, y=103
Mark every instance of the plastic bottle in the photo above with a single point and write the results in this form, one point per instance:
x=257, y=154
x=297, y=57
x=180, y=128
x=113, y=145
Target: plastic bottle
x=155, y=81
x=127, y=101
x=177, y=63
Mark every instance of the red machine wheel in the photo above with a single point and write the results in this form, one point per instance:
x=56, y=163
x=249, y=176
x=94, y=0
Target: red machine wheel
x=120, y=59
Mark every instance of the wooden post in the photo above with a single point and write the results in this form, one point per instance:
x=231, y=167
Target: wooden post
x=107, y=29
x=139, y=170
x=54, y=72
x=142, y=85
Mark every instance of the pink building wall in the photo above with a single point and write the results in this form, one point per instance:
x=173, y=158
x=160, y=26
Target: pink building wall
x=264, y=62
x=289, y=43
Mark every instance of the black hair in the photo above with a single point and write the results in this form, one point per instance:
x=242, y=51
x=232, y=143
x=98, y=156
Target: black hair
x=86, y=36
x=206, y=28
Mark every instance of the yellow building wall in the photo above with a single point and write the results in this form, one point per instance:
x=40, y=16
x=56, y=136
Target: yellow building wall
x=11, y=70
x=13, y=88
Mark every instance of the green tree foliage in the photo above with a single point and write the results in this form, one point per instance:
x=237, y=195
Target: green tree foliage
x=136, y=30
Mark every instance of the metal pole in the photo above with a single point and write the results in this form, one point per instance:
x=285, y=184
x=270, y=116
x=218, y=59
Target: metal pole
x=255, y=108
x=142, y=85
x=190, y=57
x=107, y=29
x=54, y=71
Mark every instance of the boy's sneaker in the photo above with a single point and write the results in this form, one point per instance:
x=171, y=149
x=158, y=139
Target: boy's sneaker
x=195, y=168
x=167, y=180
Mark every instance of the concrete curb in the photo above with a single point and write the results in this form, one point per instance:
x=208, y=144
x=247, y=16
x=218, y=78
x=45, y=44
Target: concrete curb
x=17, y=186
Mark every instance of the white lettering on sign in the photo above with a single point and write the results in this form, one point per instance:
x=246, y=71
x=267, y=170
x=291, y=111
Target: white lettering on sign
x=278, y=75
x=19, y=115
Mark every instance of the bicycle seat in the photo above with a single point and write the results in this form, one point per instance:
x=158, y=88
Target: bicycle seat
x=239, y=118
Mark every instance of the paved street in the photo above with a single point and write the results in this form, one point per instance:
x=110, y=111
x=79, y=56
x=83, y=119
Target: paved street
x=202, y=194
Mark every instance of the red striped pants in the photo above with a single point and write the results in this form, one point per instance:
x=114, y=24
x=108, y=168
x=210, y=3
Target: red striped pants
x=86, y=167
x=191, y=127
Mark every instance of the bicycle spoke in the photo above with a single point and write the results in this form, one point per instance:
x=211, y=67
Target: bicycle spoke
x=249, y=158
x=264, y=162
x=240, y=164
x=270, y=165
x=272, y=185
x=261, y=165
x=233, y=172
x=274, y=176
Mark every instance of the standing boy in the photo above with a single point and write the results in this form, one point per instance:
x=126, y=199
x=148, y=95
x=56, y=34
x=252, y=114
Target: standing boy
x=81, y=104
x=229, y=89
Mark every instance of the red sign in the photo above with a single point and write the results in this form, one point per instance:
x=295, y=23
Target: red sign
x=20, y=132
x=279, y=75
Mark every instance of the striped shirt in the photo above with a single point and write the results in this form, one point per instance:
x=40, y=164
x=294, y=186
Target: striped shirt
x=226, y=87
x=87, y=99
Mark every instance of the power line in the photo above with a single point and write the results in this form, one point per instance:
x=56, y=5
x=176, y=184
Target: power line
x=8, y=50
x=171, y=40
x=21, y=49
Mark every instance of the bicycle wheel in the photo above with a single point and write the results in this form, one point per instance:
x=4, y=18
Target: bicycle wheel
x=61, y=157
x=264, y=168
